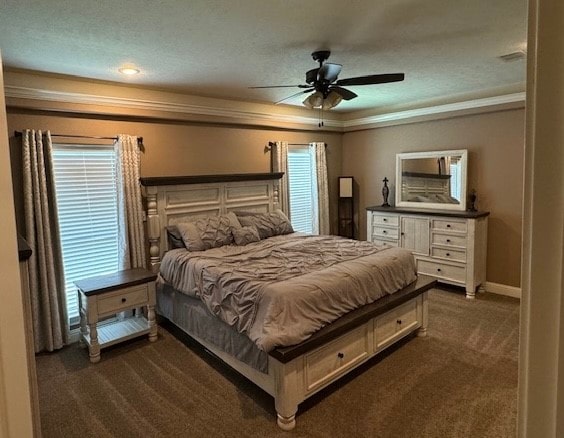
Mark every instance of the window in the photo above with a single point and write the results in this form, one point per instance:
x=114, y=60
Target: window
x=302, y=181
x=86, y=191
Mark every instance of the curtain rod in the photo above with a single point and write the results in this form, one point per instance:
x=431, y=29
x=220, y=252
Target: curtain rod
x=139, y=139
x=271, y=143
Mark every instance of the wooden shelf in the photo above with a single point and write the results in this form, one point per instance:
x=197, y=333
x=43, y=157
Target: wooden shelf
x=119, y=331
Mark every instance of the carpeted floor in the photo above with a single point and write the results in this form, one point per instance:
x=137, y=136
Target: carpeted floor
x=460, y=381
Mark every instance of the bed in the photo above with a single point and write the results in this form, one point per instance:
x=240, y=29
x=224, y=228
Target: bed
x=289, y=350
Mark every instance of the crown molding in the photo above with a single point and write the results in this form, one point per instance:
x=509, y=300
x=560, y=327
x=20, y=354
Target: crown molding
x=241, y=116
x=497, y=103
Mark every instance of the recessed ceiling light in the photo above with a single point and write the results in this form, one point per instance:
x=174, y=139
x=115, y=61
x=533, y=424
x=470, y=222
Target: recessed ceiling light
x=129, y=70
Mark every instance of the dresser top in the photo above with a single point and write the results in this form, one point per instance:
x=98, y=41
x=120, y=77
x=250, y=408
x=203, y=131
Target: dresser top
x=431, y=212
x=117, y=280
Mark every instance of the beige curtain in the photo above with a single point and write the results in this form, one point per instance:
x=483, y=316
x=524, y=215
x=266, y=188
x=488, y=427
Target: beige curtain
x=279, y=163
x=132, y=236
x=46, y=277
x=322, y=225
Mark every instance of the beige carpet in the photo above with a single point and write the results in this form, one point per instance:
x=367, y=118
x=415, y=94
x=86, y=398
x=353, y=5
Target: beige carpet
x=460, y=381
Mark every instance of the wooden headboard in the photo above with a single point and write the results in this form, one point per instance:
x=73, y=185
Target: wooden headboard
x=170, y=200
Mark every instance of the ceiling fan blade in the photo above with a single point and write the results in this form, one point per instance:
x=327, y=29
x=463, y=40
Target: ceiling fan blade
x=311, y=75
x=372, y=79
x=294, y=95
x=285, y=86
x=329, y=72
x=343, y=92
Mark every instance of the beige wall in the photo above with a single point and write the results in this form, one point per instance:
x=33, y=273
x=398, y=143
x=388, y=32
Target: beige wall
x=495, y=142
x=178, y=148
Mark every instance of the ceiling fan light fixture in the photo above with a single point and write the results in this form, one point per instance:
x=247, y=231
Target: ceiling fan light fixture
x=314, y=100
x=129, y=70
x=332, y=100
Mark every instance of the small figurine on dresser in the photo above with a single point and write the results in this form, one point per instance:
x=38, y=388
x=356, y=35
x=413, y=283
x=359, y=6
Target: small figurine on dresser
x=385, y=192
x=472, y=200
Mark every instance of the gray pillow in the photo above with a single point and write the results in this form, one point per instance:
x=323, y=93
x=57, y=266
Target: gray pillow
x=208, y=232
x=245, y=235
x=268, y=224
x=174, y=237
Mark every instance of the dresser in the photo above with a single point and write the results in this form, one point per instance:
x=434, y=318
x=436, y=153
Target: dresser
x=448, y=245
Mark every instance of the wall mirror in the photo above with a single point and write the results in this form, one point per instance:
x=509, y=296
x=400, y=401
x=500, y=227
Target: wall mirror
x=432, y=179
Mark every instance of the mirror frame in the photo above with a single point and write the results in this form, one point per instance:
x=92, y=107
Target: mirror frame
x=463, y=153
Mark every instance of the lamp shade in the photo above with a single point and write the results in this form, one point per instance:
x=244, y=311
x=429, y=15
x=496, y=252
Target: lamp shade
x=332, y=100
x=314, y=100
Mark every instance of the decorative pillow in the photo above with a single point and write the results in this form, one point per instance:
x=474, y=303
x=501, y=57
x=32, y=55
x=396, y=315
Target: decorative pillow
x=174, y=237
x=208, y=232
x=245, y=235
x=268, y=224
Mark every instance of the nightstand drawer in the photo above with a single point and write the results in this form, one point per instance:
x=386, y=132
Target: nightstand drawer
x=122, y=299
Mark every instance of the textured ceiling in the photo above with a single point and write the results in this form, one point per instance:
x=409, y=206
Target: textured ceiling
x=448, y=49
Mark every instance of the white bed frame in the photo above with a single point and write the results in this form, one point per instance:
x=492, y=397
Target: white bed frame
x=294, y=373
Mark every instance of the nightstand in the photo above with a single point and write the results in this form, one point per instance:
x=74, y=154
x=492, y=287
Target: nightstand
x=107, y=295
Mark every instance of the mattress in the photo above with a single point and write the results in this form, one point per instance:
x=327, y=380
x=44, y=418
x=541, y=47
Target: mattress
x=281, y=290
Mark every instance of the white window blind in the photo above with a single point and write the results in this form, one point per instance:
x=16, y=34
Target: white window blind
x=86, y=190
x=302, y=184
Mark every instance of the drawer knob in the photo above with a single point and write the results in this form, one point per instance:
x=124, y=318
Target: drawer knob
x=448, y=254
x=399, y=321
x=448, y=225
x=385, y=232
x=123, y=300
x=403, y=234
x=448, y=240
x=340, y=355
x=385, y=220
x=438, y=269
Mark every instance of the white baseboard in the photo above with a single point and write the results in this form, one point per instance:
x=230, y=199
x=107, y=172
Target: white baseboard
x=74, y=335
x=503, y=289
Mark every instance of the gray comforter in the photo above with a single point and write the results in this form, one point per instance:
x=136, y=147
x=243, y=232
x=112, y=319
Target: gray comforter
x=281, y=290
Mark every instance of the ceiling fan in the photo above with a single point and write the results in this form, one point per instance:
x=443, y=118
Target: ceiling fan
x=328, y=90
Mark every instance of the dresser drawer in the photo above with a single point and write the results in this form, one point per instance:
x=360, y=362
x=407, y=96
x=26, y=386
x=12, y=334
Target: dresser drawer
x=122, y=299
x=385, y=219
x=395, y=324
x=330, y=361
x=389, y=233
x=379, y=241
x=442, y=270
x=449, y=225
x=449, y=254
x=448, y=240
